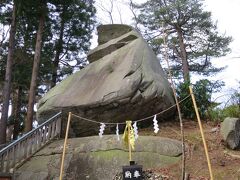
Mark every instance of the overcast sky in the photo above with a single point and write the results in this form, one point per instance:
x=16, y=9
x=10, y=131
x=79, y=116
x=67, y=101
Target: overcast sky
x=225, y=12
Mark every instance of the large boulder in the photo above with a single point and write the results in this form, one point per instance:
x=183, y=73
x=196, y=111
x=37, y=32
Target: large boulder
x=124, y=80
x=98, y=159
x=230, y=131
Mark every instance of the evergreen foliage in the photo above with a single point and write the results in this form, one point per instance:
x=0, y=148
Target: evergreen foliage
x=74, y=18
x=193, y=38
x=203, y=90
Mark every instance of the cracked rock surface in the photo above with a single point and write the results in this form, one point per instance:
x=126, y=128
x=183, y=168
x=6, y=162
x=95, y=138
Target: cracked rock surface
x=97, y=158
x=124, y=80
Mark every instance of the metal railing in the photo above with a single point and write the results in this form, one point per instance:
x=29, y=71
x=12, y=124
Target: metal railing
x=18, y=151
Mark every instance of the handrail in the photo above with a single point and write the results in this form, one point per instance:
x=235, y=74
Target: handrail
x=29, y=133
x=29, y=143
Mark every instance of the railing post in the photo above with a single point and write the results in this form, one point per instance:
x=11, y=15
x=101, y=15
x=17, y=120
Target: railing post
x=1, y=162
x=6, y=161
x=18, y=152
x=39, y=132
x=53, y=129
x=14, y=155
x=58, y=128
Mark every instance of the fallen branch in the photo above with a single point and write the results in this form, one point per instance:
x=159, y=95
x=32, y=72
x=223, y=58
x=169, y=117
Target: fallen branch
x=231, y=154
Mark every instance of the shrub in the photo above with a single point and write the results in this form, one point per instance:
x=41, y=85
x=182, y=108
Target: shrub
x=231, y=109
x=202, y=90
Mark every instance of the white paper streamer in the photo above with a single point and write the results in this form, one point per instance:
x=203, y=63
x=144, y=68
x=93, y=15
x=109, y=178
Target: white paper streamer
x=117, y=133
x=101, y=130
x=155, y=124
x=135, y=129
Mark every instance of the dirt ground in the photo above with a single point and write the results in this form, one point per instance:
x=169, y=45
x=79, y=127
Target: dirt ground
x=225, y=162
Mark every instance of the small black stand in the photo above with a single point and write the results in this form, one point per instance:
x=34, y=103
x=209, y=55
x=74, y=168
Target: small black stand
x=132, y=172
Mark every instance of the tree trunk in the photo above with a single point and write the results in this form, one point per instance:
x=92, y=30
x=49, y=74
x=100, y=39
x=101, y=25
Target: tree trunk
x=59, y=48
x=8, y=78
x=16, y=111
x=183, y=54
x=33, y=85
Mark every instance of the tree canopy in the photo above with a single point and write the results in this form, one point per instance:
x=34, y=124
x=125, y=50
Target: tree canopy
x=193, y=38
x=68, y=26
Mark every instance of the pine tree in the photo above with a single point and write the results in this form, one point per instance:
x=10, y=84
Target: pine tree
x=193, y=38
x=73, y=29
x=65, y=39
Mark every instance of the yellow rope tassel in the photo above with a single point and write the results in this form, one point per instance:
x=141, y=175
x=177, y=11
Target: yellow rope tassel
x=128, y=138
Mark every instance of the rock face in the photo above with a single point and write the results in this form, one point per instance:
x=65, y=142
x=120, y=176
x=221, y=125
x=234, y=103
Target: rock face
x=98, y=159
x=124, y=80
x=230, y=130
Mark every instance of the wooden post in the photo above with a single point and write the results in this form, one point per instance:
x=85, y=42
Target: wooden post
x=202, y=134
x=64, y=147
x=177, y=105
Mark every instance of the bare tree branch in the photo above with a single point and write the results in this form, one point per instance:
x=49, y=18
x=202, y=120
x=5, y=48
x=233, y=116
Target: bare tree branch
x=109, y=11
x=120, y=14
x=131, y=7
